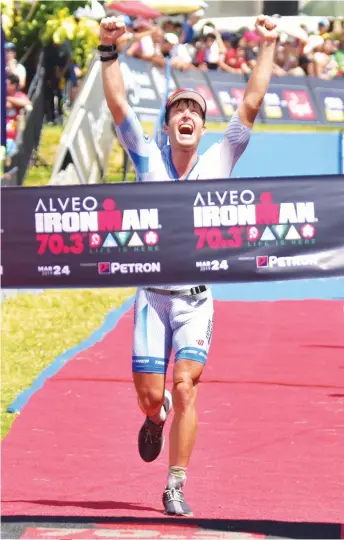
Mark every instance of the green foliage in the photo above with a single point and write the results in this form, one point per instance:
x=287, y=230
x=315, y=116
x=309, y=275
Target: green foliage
x=31, y=25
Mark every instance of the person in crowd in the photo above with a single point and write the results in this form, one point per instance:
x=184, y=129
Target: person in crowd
x=251, y=48
x=168, y=26
x=177, y=52
x=298, y=53
x=324, y=28
x=74, y=75
x=146, y=41
x=235, y=63
x=326, y=66
x=287, y=59
x=213, y=49
x=16, y=100
x=57, y=61
x=188, y=35
x=13, y=66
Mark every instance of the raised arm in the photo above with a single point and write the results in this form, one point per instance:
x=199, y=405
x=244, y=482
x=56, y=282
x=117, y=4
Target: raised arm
x=260, y=78
x=111, y=29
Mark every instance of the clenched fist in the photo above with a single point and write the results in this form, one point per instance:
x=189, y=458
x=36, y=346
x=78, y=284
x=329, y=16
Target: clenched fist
x=266, y=29
x=111, y=29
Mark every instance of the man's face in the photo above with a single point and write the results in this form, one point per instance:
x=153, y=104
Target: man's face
x=168, y=27
x=240, y=53
x=209, y=41
x=322, y=29
x=166, y=47
x=10, y=88
x=157, y=35
x=10, y=55
x=185, y=125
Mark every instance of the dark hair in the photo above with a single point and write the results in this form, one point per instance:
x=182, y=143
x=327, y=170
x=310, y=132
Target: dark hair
x=167, y=112
x=14, y=79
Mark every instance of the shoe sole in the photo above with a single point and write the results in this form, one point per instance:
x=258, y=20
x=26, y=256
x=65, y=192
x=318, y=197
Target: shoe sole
x=174, y=514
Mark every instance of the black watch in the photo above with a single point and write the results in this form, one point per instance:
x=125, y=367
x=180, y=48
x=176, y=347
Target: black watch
x=107, y=48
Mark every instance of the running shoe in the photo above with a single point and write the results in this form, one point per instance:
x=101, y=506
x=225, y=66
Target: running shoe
x=174, y=502
x=151, y=439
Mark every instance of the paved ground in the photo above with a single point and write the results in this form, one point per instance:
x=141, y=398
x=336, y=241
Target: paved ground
x=268, y=455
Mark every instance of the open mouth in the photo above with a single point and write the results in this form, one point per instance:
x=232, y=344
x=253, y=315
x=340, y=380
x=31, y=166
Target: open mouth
x=186, y=129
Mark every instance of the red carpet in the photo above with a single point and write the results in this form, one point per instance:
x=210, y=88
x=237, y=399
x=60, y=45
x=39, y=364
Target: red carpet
x=270, y=442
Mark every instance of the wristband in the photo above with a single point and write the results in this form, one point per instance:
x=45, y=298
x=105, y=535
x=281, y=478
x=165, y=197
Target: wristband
x=106, y=48
x=108, y=58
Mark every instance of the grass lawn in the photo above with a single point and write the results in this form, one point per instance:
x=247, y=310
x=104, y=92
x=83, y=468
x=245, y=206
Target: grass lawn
x=38, y=328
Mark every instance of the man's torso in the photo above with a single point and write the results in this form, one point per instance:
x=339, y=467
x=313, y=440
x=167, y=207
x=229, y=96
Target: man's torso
x=152, y=163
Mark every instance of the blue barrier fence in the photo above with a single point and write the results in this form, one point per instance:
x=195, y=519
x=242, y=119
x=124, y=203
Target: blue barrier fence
x=287, y=154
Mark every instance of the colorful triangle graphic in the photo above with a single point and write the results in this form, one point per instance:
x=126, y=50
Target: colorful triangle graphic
x=292, y=234
x=280, y=231
x=109, y=241
x=267, y=235
x=122, y=237
x=135, y=241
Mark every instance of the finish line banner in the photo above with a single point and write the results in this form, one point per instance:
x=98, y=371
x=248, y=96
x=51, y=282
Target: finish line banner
x=173, y=232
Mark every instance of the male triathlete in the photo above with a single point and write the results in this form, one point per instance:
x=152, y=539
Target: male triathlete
x=177, y=317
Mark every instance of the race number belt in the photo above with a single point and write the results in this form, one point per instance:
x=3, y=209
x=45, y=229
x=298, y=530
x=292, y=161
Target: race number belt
x=182, y=292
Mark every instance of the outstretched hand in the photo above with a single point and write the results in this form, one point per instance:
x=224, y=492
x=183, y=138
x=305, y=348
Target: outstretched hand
x=111, y=29
x=266, y=29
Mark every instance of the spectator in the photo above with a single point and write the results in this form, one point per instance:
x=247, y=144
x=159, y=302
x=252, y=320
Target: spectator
x=57, y=60
x=188, y=35
x=179, y=53
x=299, y=53
x=213, y=49
x=251, y=47
x=147, y=39
x=287, y=59
x=230, y=44
x=178, y=29
x=15, y=102
x=74, y=76
x=13, y=66
x=326, y=66
x=168, y=26
x=170, y=47
x=235, y=61
x=324, y=28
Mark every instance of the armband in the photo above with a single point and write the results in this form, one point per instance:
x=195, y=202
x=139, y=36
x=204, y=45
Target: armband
x=114, y=56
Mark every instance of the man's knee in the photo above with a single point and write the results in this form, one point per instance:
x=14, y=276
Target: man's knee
x=150, y=400
x=183, y=393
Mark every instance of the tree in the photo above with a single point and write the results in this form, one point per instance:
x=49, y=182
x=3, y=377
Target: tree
x=33, y=24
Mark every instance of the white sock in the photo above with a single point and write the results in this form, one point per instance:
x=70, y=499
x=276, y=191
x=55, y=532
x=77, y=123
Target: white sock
x=160, y=416
x=176, y=477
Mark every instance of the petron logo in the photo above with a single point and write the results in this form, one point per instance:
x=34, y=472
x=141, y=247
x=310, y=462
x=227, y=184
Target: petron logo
x=263, y=261
x=129, y=268
x=106, y=227
x=232, y=219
